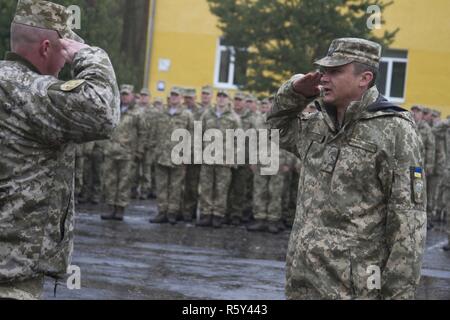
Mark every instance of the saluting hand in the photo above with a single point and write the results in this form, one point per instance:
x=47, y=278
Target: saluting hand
x=308, y=85
x=70, y=48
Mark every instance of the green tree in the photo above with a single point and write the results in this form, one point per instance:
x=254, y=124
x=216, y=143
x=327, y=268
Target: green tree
x=286, y=36
x=118, y=26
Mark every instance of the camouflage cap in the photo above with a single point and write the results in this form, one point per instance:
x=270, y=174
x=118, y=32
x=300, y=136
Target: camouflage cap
x=347, y=50
x=190, y=92
x=251, y=98
x=416, y=107
x=207, y=89
x=436, y=113
x=158, y=100
x=240, y=95
x=425, y=110
x=177, y=90
x=126, y=88
x=145, y=91
x=46, y=15
x=224, y=92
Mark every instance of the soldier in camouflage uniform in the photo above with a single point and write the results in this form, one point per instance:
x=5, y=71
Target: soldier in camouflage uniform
x=440, y=130
x=143, y=162
x=41, y=120
x=192, y=170
x=268, y=189
x=362, y=195
x=435, y=179
x=215, y=179
x=92, y=162
x=120, y=153
x=446, y=182
x=429, y=152
x=170, y=176
x=239, y=201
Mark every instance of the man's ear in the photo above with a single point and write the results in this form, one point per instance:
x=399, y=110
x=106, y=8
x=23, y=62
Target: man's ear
x=44, y=48
x=366, y=79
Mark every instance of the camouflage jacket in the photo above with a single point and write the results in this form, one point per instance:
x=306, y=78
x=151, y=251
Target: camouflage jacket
x=148, y=143
x=197, y=112
x=166, y=125
x=124, y=142
x=361, y=200
x=228, y=120
x=260, y=123
x=429, y=146
x=41, y=119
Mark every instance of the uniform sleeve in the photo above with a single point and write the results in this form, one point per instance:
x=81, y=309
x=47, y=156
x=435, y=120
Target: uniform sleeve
x=406, y=216
x=283, y=116
x=83, y=110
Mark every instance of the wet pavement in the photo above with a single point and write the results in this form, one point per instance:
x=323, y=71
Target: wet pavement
x=139, y=260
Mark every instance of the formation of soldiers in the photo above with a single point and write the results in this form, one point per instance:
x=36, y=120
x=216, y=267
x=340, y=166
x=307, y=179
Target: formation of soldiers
x=136, y=163
x=435, y=133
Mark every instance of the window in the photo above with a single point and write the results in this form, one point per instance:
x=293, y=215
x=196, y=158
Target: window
x=230, y=67
x=392, y=76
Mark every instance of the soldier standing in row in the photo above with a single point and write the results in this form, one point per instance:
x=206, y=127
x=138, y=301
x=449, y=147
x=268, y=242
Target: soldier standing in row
x=361, y=204
x=92, y=169
x=242, y=175
x=215, y=179
x=192, y=170
x=268, y=190
x=120, y=154
x=429, y=153
x=41, y=119
x=170, y=176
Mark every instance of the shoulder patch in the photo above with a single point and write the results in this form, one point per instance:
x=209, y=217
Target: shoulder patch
x=71, y=85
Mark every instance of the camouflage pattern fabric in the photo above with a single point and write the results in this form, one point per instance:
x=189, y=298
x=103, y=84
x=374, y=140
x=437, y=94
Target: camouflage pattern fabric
x=169, y=187
x=215, y=179
x=40, y=122
x=361, y=199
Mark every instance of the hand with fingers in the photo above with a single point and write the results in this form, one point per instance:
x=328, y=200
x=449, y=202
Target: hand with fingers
x=308, y=85
x=70, y=48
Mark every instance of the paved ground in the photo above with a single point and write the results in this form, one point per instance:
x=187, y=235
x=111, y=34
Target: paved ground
x=137, y=260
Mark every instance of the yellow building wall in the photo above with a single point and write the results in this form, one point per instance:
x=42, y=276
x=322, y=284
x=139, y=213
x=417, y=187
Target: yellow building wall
x=186, y=33
x=425, y=33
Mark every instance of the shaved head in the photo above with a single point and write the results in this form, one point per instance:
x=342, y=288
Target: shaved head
x=26, y=36
x=41, y=47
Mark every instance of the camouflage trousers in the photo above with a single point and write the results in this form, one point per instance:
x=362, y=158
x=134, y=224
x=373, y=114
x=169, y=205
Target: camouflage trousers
x=214, y=186
x=117, y=185
x=142, y=176
x=240, y=193
x=191, y=189
x=434, y=185
x=23, y=290
x=92, y=170
x=169, y=186
x=267, y=197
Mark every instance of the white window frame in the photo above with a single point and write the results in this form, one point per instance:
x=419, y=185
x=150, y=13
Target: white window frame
x=229, y=84
x=390, y=66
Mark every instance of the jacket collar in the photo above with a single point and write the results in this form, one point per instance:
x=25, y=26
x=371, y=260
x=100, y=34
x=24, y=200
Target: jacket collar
x=11, y=56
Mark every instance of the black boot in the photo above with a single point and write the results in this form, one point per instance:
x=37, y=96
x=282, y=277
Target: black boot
x=217, y=222
x=160, y=218
x=110, y=214
x=257, y=226
x=205, y=221
x=120, y=213
x=446, y=247
x=172, y=217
